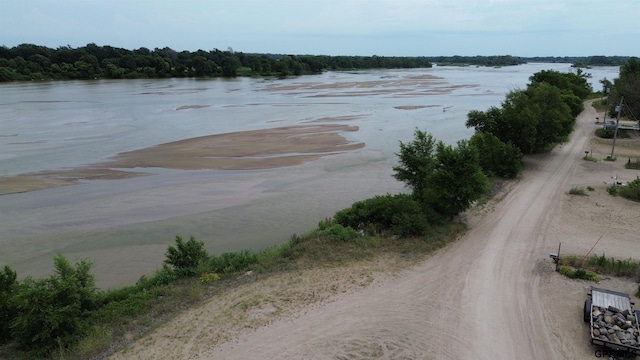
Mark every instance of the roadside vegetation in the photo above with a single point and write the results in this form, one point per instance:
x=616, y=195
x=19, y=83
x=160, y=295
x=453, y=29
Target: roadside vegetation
x=65, y=316
x=626, y=86
x=610, y=133
x=535, y=119
x=586, y=268
x=629, y=191
x=577, y=191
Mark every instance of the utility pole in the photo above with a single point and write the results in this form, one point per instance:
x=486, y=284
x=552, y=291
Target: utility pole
x=615, y=133
x=605, y=90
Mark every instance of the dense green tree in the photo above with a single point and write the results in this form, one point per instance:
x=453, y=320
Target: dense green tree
x=576, y=84
x=457, y=180
x=532, y=120
x=8, y=74
x=28, y=61
x=114, y=71
x=445, y=180
x=185, y=257
x=576, y=105
x=417, y=160
x=555, y=121
x=627, y=86
x=230, y=65
x=51, y=313
x=496, y=157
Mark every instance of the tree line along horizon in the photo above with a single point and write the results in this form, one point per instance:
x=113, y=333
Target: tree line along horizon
x=26, y=62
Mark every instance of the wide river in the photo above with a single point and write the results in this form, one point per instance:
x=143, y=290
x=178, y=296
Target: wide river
x=125, y=225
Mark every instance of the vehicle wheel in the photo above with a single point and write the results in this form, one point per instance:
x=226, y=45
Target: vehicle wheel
x=587, y=310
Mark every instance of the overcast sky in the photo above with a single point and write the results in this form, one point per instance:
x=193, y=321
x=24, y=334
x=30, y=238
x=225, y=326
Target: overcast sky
x=333, y=27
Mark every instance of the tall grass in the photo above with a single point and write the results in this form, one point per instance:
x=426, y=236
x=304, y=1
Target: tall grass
x=603, y=265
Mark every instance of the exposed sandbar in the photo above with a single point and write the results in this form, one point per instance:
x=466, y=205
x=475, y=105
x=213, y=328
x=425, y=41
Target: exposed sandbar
x=257, y=149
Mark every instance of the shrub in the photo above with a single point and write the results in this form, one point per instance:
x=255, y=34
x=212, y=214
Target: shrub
x=567, y=271
x=577, y=191
x=633, y=164
x=605, y=133
x=579, y=274
x=228, y=263
x=496, y=157
x=338, y=233
x=591, y=188
x=609, y=133
x=8, y=284
x=604, y=265
x=591, y=276
x=163, y=276
x=207, y=278
x=631, y=191
x=399, y=214
x=612, y=190
x=186, y=256
x=52, y=313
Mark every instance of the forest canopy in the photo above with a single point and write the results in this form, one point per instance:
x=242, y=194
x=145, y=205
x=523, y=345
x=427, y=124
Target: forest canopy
x=33, y=62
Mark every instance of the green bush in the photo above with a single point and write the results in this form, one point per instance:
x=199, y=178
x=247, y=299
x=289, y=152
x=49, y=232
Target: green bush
x=609, y=133
x=577, y=191
x=604, y=265
x=605, y=133
x=52, y=313
x=8, y=284
x=612, y=190
x=567, y=271
x=496, y=157
x=186, y=256
x=338, y=233
x=631, y=191
x=579, y=274
x=208, y=277
x=399, y=214
x=575, y=103
x=591, y=276
x=163, y=276
x=228, y=263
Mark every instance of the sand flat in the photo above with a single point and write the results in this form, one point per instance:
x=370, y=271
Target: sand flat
x=244, y=150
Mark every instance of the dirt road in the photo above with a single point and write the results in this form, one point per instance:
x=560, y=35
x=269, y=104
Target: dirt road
x=492, y=294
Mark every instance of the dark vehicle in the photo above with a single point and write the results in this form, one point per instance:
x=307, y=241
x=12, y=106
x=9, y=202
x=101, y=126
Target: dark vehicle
x=609, y=125
x=612, y=322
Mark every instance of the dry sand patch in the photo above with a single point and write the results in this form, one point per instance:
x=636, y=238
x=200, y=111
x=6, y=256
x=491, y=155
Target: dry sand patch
x=257, y=149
